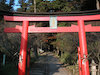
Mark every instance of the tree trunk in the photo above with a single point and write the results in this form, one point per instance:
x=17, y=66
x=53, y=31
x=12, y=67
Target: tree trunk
x=97, y=4
x=35, y=51
x=34, y=6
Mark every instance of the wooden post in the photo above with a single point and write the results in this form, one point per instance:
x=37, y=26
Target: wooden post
x=4, y=58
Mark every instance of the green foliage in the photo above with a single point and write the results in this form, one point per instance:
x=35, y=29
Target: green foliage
x=67, y=44
x=58, y=5
x=65, y=57
x=68, y=7
x=9, y=69
x=93, y=45
x=68, y=58
x=47, y=6
x=4, y=6
x=42, y=7
x=61, y=24
x=88, y=5
x=24, y=7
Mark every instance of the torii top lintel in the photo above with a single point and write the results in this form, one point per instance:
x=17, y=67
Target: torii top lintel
x=33, y=29
x=47, y=18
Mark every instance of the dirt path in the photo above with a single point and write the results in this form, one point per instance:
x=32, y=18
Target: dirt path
x=48, y=65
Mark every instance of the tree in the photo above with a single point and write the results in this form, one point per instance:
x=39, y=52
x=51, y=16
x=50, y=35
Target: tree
x=4, y=6
x=88, y=5
x=97, y=4
x=48, y=6
x=24, y=5
x=94, y=48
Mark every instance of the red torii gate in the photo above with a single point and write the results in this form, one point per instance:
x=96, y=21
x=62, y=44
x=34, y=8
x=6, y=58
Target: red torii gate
x=80, y=28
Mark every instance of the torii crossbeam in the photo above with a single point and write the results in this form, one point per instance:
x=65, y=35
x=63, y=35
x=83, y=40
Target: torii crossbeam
x=80, y=28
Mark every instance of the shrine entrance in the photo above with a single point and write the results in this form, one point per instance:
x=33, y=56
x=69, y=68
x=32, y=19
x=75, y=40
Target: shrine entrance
x=81, y=28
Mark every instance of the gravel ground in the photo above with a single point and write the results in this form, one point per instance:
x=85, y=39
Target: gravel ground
x=48, y=64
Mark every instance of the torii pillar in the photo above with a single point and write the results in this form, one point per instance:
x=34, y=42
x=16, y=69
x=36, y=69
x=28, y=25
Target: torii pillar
x=83, y=48
x=23, y=49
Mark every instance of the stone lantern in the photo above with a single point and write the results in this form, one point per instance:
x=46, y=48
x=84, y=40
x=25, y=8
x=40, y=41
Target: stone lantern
x=93, y=68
